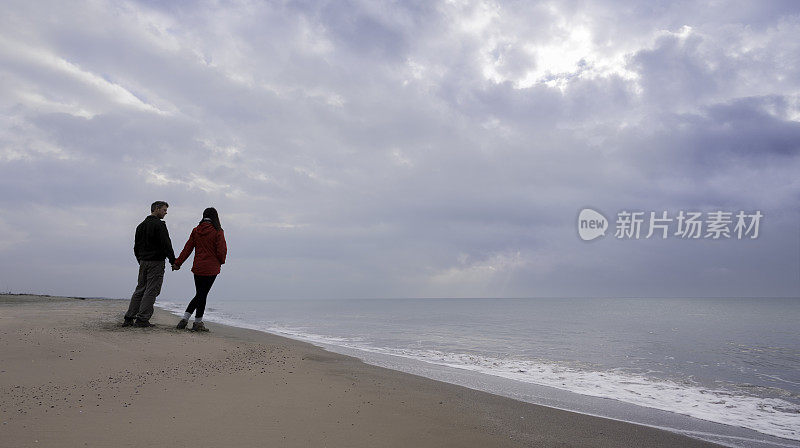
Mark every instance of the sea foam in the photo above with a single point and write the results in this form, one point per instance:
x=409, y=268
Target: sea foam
x=772, y=416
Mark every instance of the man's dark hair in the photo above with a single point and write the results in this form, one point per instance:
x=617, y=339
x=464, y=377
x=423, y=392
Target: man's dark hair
x=157, y=205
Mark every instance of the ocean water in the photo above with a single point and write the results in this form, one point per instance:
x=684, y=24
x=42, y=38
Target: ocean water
x=726, y=370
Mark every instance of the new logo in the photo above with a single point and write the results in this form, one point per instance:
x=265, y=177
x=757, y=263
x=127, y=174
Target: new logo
x=591, y=224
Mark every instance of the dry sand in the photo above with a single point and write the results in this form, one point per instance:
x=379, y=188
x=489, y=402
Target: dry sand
x=71, y=376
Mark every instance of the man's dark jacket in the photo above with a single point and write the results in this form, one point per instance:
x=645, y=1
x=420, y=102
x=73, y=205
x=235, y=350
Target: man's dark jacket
x=152, y=241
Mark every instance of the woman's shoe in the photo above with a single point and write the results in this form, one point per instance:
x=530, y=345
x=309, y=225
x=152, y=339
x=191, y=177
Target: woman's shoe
x=198, y=326
x=182, y=324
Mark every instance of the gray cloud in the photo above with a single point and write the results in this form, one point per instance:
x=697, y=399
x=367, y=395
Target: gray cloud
x=366, y=149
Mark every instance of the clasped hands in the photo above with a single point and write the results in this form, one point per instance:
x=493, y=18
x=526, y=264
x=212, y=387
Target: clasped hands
x=175, y=267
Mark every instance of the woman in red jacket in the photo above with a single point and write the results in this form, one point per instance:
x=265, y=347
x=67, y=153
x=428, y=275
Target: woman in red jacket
x=209, y=241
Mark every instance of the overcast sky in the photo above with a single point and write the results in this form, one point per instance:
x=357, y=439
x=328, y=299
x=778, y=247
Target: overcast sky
x=400, y=149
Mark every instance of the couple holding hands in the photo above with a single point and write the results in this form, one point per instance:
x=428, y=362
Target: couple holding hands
x=152, y=245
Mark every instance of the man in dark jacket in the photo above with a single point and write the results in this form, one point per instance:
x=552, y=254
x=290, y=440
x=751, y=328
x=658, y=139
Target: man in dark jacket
x=152, y=245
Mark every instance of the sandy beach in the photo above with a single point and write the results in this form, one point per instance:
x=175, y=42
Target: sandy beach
x=72, y=376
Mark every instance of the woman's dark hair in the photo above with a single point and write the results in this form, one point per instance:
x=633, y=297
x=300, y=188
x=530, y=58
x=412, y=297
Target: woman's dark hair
x=212, y=215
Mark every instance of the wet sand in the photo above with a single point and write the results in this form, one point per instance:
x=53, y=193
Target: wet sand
x=70, y=375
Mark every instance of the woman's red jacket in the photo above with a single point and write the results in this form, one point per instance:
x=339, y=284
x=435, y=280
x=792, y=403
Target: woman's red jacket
x=211, y=249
